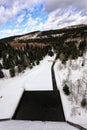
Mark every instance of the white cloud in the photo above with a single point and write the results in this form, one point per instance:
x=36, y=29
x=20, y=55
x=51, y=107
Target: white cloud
x=56, y=21
x=10, y=8
x=60, y=13
x=31, y=25
x=51, y=5
x=9, y=32
x=66, y=19
x=20, y=18
x=2, y=17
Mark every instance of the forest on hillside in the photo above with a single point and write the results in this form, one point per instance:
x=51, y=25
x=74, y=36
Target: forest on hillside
x=17, y=59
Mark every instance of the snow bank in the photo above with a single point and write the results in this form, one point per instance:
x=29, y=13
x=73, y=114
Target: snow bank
x=75, y=75
x=10, y=93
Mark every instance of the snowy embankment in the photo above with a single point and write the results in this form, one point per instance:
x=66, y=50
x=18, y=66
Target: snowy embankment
x=73, y=74
x=11, y=89
x=39, y=78
x=35, y=125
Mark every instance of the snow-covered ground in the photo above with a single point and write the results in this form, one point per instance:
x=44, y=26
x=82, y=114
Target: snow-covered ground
x=74, y=75
x=11, y=89
x=30, y=125
x=39, y=78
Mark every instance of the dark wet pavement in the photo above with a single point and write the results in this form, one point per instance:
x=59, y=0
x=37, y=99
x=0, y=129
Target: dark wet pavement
x=40, y=106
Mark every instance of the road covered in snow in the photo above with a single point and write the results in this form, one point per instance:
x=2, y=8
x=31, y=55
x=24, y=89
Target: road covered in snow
x=11, y=89
x=39, y=78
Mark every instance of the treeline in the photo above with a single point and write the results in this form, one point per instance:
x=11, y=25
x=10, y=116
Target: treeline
x=17, y=59
x=70, y=49
x=70, y=32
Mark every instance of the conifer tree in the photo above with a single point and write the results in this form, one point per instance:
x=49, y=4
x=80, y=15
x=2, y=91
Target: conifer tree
x=12, y=72
x=1, y=74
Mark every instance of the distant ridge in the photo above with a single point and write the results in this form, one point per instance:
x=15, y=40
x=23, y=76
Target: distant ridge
x=65, y=29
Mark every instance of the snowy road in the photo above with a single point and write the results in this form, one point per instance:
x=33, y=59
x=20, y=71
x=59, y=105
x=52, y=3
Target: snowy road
x=41, y=105
x=11, y=89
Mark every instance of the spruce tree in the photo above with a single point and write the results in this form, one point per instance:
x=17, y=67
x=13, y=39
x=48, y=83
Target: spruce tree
x=66, y=90
x=12, y=72
x=1, y=74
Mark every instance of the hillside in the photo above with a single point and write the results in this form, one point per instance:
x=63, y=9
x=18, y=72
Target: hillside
x=29, y=59
x=19, y=52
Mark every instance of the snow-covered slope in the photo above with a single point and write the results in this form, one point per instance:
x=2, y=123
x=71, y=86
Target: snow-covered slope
x=29, y=36
x=11, y=89
x=74, y=74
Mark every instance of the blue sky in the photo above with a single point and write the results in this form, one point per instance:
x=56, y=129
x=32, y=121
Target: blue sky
x=23, y=16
